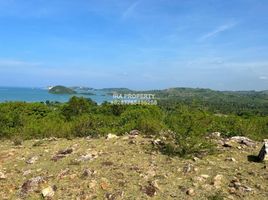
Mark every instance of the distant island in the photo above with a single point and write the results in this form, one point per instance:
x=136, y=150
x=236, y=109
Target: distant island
x=61, y=90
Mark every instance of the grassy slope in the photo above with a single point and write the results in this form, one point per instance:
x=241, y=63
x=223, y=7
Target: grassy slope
x=131, y=165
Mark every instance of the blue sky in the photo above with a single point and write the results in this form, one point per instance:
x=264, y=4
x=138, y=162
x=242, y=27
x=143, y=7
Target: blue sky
x=143, y=44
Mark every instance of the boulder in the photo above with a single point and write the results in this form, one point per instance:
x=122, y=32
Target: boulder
x=217, y=181
x=111, y=136
x=88, y=173
x=215, y=135
x=49, y=191
x=32, y=160
x=263, y=154
x=190, y=192
x=62, y=154
x=134, y=132
x=243, y=140
x=31, y=184
x=2, y=176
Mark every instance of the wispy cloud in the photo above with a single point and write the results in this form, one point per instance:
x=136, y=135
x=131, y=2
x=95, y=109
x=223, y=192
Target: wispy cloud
x=217, y=30
x=130, y=9
x=17, y=63
x=263, y=77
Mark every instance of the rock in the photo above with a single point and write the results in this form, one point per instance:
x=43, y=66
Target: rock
x=62, y=154
x=66, y=151
x=217, y=181
x=87, y=173
x=49, y=191
x=84, y=158
x=63, y=173
x=2, y=176
x=195, y=159
x=263, y=154
x=87, y=157
x=243, y=140
x=188, y=168
x=150, y=190
x=215, y=135
x=31, y=184
x=134, y=132
x=157, y=142
x=110, y=196
x=230, y=159
x=205, y=176
x=228, y=143
x=32, y=160
x=111, y=136
x=190, y=192
x=104, y=186
x=235, y=183
x=27, y=172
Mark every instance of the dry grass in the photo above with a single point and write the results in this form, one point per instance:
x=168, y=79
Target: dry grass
x=128, y=170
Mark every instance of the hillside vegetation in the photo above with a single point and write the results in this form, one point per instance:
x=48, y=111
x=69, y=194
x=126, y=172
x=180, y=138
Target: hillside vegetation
x=81, y=150
x=61, y=90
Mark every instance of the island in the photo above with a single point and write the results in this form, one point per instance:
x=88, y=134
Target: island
x=61, y=90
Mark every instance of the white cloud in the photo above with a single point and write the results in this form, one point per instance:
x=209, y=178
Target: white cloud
x=217, y=30
x=17, y=63
x=263, y=77
x=130, y=10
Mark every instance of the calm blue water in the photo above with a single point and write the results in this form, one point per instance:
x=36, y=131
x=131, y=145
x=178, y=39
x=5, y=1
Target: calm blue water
x=41, y=95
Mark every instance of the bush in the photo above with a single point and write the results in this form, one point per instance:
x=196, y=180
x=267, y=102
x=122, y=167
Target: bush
x=77, y=106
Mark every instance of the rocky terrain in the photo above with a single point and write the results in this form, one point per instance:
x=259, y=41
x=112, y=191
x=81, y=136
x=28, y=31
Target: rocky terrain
x=129, y=167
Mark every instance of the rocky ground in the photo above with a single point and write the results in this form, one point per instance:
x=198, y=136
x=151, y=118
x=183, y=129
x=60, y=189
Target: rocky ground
x=127, y=167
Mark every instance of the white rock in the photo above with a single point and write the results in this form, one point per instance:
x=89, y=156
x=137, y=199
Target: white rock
x=215, y=134
x=2, y=176
x=217, y=180
x=263, y=155
x=32, y=160
x=111, y=136
x=243, y=140
x=48, y=192
x=27, y=172
x=134, y=132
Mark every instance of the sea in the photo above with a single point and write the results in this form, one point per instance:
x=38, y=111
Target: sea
x=42, y=95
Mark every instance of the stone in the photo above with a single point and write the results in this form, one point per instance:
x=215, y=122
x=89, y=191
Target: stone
x=188, y=168
x=230, y=159
x=243, y=140
x=134, y=132
x=157, y=142
x=32, y=160
x=63, y=173
x=87, y=173
x=215, y=135
x=190, y=192
x=66, y=151
x=204, y=176
x=62, y=154
x=111, y=136
x=89, y=156
x=2, y=176
x=49, y=191
x=217, y=181
x=150, y=190
x=27, y=172
x=228, y=144
x=263, y=154
x=31, y=184
x=195, y=159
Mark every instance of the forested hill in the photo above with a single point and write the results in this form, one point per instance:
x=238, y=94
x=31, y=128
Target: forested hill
x=239, y=102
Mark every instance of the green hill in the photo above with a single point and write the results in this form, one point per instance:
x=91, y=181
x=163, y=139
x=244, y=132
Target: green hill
x=61, y=90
